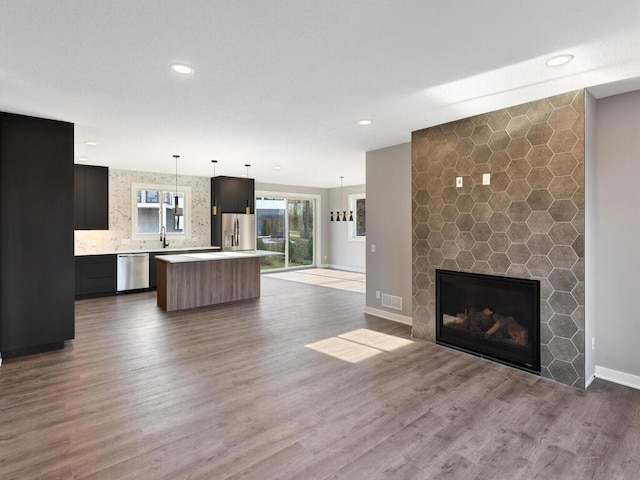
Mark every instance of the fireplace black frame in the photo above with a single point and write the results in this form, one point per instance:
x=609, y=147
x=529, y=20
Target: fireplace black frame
x=524, y=358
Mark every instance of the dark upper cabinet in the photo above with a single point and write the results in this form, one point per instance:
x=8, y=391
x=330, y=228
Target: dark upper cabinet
x=233, y=194
x=91, y=204
x=230, y=195
x=36, y=234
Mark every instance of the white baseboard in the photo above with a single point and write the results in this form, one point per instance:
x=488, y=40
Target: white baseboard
x=589, y=381
x=346, y=269
x=394, y=317
x=626, y=379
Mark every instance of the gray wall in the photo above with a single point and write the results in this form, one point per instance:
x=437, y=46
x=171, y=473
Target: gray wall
x=591, y=278
x=389, y=227
x=618, y=234
x=344, y=253
x=323, y=222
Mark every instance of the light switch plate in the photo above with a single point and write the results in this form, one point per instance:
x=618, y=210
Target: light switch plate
x=486, y=178
x=458, y=182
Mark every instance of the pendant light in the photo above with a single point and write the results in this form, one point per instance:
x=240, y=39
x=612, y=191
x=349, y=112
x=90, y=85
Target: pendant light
x=214, y=207
x=247, y=208
x=176, y=208
x=344, y=212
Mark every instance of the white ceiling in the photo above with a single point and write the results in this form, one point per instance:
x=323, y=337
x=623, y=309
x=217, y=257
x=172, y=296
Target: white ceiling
x=284, y=82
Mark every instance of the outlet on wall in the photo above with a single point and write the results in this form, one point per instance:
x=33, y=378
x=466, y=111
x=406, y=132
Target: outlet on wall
x=378, y=294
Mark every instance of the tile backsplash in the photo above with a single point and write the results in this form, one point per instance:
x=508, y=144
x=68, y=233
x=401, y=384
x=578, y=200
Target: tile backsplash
x=119, y=236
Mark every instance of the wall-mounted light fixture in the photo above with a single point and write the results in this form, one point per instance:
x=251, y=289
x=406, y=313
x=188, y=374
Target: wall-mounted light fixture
x=344, y=212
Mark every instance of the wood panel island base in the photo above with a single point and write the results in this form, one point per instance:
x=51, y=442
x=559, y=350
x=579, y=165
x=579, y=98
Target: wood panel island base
x=200, y=279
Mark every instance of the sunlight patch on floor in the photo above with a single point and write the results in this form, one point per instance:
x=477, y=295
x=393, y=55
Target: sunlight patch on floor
x=358, y=345
x=371, y=338
x=325, y=277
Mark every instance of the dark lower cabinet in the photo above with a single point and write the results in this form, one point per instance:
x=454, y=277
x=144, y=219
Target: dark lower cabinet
x=36, y=234
x=96, y=276
x=153, y=269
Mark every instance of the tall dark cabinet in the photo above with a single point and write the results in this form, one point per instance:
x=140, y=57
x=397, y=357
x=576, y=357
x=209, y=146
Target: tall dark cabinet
x=230, y=195
x=36, y=234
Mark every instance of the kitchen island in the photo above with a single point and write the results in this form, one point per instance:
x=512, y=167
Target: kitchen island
x=199, y=279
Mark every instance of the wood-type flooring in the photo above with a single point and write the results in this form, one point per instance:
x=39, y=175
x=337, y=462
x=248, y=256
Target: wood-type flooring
x=298, y=384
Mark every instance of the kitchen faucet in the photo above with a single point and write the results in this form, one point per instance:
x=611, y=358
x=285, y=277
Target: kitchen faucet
x=163, y=237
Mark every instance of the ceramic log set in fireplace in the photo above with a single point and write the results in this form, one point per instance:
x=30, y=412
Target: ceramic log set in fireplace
x=491, y=316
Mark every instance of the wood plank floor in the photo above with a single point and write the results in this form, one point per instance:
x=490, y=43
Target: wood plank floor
x=233, y=391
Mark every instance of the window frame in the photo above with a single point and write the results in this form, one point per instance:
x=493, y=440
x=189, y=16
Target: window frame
x=186, y=212
x=353, y=200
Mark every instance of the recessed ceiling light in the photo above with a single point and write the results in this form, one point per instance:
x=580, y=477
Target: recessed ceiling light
x=277, y=167
x=83, y=159
x=365, y=122
x=559, y=60
x=91, y=143
x=182, y=68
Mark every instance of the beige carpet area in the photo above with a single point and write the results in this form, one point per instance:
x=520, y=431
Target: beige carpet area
x=324, y=277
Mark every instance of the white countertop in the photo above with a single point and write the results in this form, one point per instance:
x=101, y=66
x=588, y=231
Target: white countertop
x=205, y=257
x=148, y=250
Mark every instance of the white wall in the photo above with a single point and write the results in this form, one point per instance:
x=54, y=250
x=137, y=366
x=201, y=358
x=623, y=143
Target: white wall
x=389, y=214
x=590, y=238
x=344, y=253
x=617, y=238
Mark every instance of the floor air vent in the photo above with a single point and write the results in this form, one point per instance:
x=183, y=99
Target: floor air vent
x=391, y=302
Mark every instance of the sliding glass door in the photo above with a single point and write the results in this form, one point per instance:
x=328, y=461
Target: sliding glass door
x=286, y=225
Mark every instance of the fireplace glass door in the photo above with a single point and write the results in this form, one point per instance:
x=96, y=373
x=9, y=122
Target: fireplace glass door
x=491, y=316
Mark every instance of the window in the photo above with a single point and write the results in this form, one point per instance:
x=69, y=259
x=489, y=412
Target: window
x=153, y=207
x=357, y=228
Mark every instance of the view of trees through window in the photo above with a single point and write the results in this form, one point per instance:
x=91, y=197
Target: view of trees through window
x=361, y=212
x=285, y=225
x=358, y=205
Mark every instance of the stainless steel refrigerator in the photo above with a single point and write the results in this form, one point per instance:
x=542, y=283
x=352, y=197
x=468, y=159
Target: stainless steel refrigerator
x=238, y=231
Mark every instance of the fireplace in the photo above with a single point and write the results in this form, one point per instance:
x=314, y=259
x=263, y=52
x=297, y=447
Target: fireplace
x=491, y=316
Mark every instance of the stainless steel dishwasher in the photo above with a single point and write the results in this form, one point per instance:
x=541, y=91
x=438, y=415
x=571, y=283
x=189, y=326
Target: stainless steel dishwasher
x=133, y=271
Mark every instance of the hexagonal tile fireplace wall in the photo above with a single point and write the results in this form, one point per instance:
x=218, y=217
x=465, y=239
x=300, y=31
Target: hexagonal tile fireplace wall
x=528, y=223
